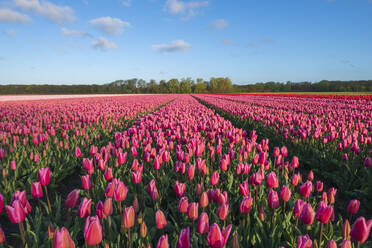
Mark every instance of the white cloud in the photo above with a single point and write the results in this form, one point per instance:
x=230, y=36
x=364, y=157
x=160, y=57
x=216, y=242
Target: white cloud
x=8, y=15
x=71, y=32
x=181, y=7
x=227, y=42
x=126, y=3
x=174, y=46
x=54, y=13
x=219, y=24
x=109, y=25
x=10, y=32
x=103, y=44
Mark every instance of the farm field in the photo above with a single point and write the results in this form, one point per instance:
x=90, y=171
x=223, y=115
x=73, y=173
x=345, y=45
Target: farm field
x=202, y=170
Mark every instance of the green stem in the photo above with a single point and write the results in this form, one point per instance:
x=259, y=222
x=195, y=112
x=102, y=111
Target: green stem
x=47, y=196
x=321, y=234
x=22, y=231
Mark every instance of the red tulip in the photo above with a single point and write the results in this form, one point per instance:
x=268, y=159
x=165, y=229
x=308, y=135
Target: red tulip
x=184, y=238
x=21, y=196
x=77, y=152
x=331, y=195
x=108, y=174
x=246, y=205
x=99, y=210
x=324, y=212
x=93, y=231
x=223, y=211
x=152, y=190
x=179, y=188
x=368, y=162
x=13, y=165
x=285, y=193
x=310, y=176
x=361, y=229
x=16, y=212
x=36, y=190
x=84, y=208
x=203, y=223
x=319, y=186
x=346, y=244
x=353, y=206
x=107, y=207
x=216, y=238
x=128, y=217
x=273, y=199
x=109, y=192
x=183, y=205
x=156, y=165
x=306, y=189
x=190, y=172
x=163, y=242
x=85, y=182
x=192, y=210
x=331, y=244
x=72, y=198
x=214, y=178
x=62, y=239
x=120, y=192
x=204, y=200
x=160, y=220
x=136, y=177
x=44, y=176
x=304, y=242
x=307, y=215
x=295, y=179
x=272, y=180
x=244, y=188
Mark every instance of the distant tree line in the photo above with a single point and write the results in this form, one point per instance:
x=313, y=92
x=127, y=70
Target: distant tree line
x=187, y=85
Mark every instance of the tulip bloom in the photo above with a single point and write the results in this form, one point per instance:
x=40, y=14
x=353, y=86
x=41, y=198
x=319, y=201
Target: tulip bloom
x=85, y=182
x=214, y=178
x=99, y=210
x=306, y=189
x=203, y=223
x=84, y=209
x=152, y=190
x=204, y=200
x=184, y=238
x=223, y=211
x=304, y=242
x=128, y=217
x=319, y=186
x=353, y=206
x=183, y=205
x=163, y=242
x=93, y=231
x=36, y=190
x=361, y=229
x=307, y=214
x=324, y=212
x=273, y=199
x=331, y=244
x=136, y=177
x=246, y=205
x=72, y=198
x=244, y=188
x=107, y=207
x=77, y=152
x=346, y=244
x=120, y=192
x=285, y=193
x=160, y=220
x=272, y=180
x=16, y=212
x=62, y=239
x=216, y=238
x=44, y=176
x=179, y=189
x=192, y=210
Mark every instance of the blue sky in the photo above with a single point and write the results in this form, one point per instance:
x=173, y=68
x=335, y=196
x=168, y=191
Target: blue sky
x=86, y=41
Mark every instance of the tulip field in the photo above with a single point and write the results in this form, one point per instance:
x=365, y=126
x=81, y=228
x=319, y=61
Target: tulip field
x=201, y=170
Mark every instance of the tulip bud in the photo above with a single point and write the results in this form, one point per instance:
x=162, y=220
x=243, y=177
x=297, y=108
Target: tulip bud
x=93, y=231
x=62, y=239
x=346, y=230
x=307, y=214
x=183, y=205
x=331, y=244
x=203, y=223
x=84, y=208
x=246, y=205
x=285, y=193
x=50, y=230
x=272, y=180
x=16, y=212
x=192, y=210
x=367, y=162
x=184, y=238
x=160, y=220
x=235, y=241
x=310, y=176
x=143, y=229
x=319, y=186
x=72, y=198
x=44, y=176
x=273, y=199
x=85, y=182
x=261, y=214
x=36, y=190
x=324, y=212
x=223, y=211
x=304, y=241
x=128, y=217
x=135, y=204
x=204, y=200
x=163, y=242
x=353, y=206
x=361, y=229
x=346, y=244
